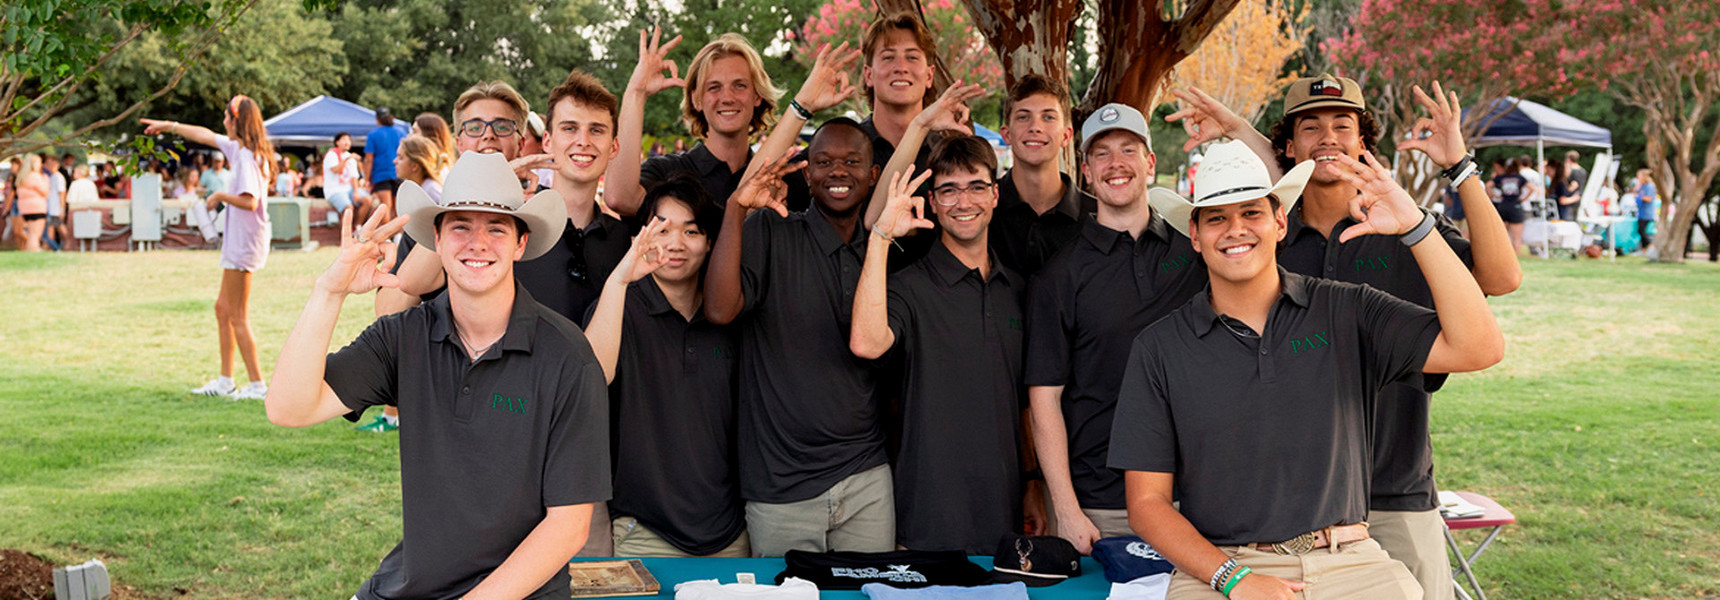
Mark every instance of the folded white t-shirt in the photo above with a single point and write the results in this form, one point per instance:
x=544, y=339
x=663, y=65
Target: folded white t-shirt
x=1151, y=587
x=794, y=588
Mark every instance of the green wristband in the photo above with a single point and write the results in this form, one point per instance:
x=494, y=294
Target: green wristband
x=1235, y=579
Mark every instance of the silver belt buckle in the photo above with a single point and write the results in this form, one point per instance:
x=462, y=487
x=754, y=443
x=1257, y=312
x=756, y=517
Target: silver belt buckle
x=1295, y=546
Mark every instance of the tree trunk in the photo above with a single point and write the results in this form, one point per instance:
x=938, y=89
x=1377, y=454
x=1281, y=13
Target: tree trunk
x=1142, y=47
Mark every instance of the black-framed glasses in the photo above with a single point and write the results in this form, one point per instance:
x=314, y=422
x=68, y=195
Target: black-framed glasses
x=502, y=127
x=949, y=194
x=576, y=267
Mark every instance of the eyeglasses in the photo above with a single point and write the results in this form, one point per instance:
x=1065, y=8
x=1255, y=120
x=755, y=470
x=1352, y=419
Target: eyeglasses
x=502, y=127
x=576, y=267
x=950, y=194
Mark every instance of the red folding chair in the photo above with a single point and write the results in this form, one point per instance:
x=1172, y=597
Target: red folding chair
x=1494, y=519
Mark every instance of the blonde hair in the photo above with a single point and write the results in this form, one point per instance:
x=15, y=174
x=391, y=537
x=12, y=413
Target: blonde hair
x=494, y=90
x=431, y=125
x=32, y=164
x=726, y=45
x=422, y=151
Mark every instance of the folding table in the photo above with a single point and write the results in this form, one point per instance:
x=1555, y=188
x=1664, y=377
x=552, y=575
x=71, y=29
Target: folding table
x=1090, y=585
x=1494, y=519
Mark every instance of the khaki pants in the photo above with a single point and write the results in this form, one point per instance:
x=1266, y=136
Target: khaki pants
x=1110, y=522
x=633, y=538
x=1356, y=570
x=1416, y=539
x=857, y=514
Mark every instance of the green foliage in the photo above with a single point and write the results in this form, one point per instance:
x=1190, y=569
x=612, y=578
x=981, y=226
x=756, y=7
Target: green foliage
x=280, y=54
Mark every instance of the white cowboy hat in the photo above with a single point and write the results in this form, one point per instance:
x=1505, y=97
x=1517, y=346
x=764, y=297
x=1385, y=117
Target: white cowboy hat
x=485, y=183
x=1229, y=174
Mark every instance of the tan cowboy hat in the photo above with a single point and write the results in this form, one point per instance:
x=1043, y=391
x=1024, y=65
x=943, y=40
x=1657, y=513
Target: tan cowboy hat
x=1229, y=174
x=485, y=183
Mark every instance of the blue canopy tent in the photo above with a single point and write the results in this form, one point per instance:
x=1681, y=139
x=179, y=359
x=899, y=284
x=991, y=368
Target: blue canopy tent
x=991, y=137
x=1530, y=123
x=316, y=121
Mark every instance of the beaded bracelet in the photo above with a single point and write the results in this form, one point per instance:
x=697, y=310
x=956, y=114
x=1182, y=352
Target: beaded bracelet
x=1221, y=575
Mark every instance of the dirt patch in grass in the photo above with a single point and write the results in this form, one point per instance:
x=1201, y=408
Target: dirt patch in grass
x=25, y=576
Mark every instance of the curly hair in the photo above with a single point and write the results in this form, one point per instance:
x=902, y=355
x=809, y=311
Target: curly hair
x=1285, y=129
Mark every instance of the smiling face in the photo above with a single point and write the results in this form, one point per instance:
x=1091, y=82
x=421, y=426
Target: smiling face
x=1036, y=131
x=1119, y=166
x=965, y=221
x=682, y=241
x=1321, y=135
x=581, y=141
x=488, y=109
x=1238, y=241
x=727, y=97
x=478, y=250
x=839, y=169
x=899, y=72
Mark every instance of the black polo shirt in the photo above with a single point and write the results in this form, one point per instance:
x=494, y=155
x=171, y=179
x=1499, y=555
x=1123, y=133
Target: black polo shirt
x=714, y=174
x=1267, y=436
x=1024, y=239
x=1402, y=448
x=672, y=404
x=569, y=277
x=808, y=418
x=958, y=475
x=492, y=443
x=1083, y=310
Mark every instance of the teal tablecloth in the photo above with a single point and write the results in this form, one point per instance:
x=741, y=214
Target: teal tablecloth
x=670, y=571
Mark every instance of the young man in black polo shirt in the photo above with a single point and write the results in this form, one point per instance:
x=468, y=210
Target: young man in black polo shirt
x=507, y=447
x=812, y=456
x=1326, y=117
x=672, y=387
x=1127, y=269
x=1039, y=207
x=581, y=143
x=728, y=99
x=954, y=318
x=1251, y=403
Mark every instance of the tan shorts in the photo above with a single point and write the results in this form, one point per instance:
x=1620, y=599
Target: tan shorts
x=633, y=538
x=1355, y=570
x=857, y=514
x=1416, y=539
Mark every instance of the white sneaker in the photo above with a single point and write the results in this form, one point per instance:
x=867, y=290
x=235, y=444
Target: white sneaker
x=255, y=390
x=216, y=387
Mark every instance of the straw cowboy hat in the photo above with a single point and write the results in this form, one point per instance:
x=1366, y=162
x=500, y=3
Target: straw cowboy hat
x=1229, y=174
x=485, y=183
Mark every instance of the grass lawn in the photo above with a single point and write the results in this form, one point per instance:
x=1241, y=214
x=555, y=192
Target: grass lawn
x=1600, y=431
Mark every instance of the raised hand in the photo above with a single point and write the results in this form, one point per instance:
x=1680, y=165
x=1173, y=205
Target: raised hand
x=525, y=166
x=365, y=254
x=155, y=126
x=646, y=255
x=1205, y=119
x=648, y=75
x=827, y=85
x=950, y=111
x=1440, y=134
x=903, y=211
x=765, y=187
x=1382, y=206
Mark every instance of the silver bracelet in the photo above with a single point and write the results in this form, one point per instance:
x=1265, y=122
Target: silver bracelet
x=1415, y=236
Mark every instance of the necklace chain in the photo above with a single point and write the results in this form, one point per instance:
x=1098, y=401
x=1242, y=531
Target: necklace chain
x=471, y=352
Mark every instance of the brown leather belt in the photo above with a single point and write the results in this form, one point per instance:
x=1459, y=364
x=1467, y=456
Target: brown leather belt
x=1336, y=535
